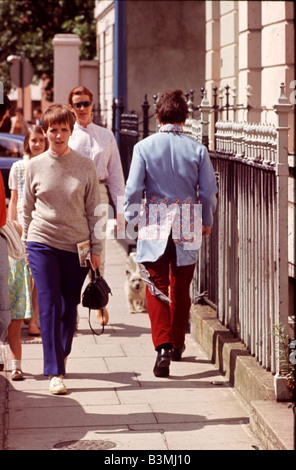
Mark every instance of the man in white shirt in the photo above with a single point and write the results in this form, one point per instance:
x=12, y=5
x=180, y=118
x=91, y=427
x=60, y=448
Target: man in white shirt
x=98, y=144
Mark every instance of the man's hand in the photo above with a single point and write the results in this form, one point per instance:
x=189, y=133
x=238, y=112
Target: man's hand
x=206, y=230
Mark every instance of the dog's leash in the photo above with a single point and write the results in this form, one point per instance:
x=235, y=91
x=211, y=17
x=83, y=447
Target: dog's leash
x=103, y=323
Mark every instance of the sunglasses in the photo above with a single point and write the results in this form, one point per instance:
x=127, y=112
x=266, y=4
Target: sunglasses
x=85, y=104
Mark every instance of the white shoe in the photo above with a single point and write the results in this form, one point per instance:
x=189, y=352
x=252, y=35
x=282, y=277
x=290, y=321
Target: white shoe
x=56, y=385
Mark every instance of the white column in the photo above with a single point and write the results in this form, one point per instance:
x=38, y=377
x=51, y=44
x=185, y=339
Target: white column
x=282, y=109
x=66, y=65
x=205, y=109
x=212, y=57
x=249, y=59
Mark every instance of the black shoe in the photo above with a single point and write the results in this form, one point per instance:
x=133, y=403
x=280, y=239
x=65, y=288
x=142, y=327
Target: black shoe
x=162, y=364
x=176, y=353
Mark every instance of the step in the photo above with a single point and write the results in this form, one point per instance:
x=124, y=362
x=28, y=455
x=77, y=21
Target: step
x=271, y=421
x=274, y=424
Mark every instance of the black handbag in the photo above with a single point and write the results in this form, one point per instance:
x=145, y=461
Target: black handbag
x=96, y=296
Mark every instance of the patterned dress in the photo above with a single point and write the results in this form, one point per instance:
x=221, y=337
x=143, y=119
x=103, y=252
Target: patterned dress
x=19, y=290
x=17, y=182
x=19, y=273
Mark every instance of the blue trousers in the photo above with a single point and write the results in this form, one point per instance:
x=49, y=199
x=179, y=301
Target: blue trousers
x=59, y=279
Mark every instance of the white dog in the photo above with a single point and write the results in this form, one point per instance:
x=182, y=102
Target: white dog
x=135, y=288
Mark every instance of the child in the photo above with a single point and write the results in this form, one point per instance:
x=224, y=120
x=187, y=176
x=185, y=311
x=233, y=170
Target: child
x=35, y=143
x=20, y=308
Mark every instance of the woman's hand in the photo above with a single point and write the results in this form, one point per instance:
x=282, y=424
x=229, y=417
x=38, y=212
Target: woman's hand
x=95, y=261
x=121, y=224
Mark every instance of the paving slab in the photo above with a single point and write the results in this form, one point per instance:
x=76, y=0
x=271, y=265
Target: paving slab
x=113, y=396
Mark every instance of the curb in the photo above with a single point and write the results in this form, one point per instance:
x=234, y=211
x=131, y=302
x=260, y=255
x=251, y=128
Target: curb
x=3, y=409
x=271, y=422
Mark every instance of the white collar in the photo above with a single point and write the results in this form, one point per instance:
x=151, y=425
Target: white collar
x=89, y=126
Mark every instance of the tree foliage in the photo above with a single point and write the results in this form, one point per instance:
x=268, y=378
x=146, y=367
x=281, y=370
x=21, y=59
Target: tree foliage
x=29, y=26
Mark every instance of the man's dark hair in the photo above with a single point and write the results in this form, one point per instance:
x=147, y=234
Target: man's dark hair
x=171, y=107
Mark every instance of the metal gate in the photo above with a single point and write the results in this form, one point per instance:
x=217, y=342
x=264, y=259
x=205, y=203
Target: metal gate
x=237, y=273
x=243, y=267
x=128, y=137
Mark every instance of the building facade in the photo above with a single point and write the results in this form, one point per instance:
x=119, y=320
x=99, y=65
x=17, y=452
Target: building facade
x=243, y=49
x=250, y=48
x=145, y=47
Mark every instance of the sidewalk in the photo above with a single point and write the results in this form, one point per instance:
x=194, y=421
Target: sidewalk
x=114, y=401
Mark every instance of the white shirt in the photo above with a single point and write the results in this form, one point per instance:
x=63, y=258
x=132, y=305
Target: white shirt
x=99, y=144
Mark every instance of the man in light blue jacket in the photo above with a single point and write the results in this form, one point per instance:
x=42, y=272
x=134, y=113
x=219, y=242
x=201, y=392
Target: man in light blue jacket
x=175, y=174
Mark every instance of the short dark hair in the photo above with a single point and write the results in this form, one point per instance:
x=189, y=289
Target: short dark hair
x=57, y=114
x=79, y=90
x=171, y=107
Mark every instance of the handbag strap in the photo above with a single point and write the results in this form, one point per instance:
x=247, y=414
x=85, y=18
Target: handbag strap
x=95, y=274
x=103, y=325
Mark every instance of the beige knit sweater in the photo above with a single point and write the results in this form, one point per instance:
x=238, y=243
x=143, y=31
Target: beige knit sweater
x=60, y=197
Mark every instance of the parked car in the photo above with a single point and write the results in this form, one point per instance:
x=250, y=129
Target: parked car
x=11, y=150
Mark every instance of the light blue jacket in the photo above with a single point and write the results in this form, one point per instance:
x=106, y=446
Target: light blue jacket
x=173, y=171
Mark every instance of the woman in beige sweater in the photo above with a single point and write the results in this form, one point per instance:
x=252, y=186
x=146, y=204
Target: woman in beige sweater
x=61, y=194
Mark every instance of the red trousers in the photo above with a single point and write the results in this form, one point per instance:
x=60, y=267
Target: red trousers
x=169, y=321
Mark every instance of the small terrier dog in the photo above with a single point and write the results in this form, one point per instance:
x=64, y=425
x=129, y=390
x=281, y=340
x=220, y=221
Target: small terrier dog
x=135, y=288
